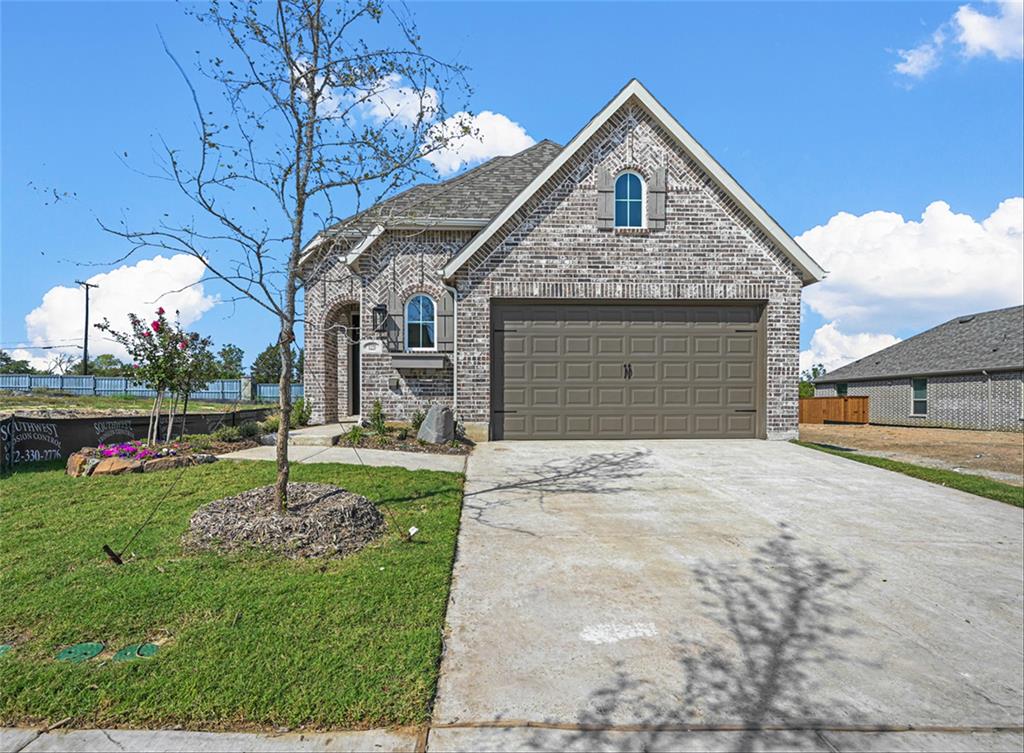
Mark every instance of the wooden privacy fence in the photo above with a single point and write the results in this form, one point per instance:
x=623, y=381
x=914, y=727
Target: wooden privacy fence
x=833, y=410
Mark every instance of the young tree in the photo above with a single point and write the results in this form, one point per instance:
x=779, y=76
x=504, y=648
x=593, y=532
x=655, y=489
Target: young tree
x=229, y=362
x=196, y=368
x=106, y=365
x=304, y=118
x=807, y=379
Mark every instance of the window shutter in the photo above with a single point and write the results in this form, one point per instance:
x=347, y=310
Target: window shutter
x=395, y=323
x=605, y=200
x=656, y=192
x=446, y=322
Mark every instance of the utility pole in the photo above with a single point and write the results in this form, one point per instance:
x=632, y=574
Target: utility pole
x=85, y=346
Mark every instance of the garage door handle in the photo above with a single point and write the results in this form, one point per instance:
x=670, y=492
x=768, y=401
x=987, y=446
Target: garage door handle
x=745, y=410
x=627, y=371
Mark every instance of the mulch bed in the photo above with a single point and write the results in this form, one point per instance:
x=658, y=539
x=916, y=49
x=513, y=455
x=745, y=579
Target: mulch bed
x=391, y=442
x=321, y=521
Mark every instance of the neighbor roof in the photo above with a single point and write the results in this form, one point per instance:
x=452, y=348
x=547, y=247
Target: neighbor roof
x=467, y=201
x=989, y=341
x=810, y=270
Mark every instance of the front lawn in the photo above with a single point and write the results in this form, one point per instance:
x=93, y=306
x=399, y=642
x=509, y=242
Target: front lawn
x=248, y=640
x=965, y=482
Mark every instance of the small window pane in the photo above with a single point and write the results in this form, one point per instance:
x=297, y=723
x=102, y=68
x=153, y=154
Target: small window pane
x=621, y=213
x=622, y=187
x=841, y=390
x=427, y=336
x=634, y=214
x=920, y=389
x=920, y=407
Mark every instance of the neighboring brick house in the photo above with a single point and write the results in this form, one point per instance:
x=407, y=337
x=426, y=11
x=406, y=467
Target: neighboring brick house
x=965, y=374
x=624, y=286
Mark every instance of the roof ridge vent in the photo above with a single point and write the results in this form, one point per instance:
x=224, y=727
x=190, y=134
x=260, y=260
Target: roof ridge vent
x=965, y=319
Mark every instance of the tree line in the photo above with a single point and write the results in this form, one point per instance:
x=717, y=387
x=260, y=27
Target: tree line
x=227, y=363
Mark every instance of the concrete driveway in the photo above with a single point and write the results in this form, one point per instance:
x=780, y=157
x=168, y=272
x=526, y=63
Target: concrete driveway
x=729, y=595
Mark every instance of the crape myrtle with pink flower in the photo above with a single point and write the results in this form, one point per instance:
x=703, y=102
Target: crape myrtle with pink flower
x=167, y=359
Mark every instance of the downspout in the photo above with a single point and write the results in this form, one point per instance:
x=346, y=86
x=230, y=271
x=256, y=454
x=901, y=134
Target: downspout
x=455, y=346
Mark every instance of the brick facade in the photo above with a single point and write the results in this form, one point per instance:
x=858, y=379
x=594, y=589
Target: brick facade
x=709, y=251
x=965, y=401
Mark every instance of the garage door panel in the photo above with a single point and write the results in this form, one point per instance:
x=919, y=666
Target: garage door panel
x=692, y=370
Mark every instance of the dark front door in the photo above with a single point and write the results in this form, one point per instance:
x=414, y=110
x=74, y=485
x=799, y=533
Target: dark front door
x=617, y=371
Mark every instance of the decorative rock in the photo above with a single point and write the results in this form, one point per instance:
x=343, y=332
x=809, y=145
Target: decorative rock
x=203, y=458
x=268, y=440
x=165, y=463
x=116, y=466
x=80, y=464
x=438, y=427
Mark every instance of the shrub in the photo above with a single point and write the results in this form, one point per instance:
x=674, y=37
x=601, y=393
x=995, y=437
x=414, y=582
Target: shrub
x=378, y=421
x=227, y=434
x=199, y=442
x=382, y=440
x=354, y=435
x=270, y=424
x=249, y=430
x=403, y=433
x=417, y=419
x=301, y=412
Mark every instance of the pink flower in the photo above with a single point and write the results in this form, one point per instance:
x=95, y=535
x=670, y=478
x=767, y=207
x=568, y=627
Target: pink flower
x=155, y=325
x=182, y=345
x=160, y=311
x=147, y=333
x=135, y=366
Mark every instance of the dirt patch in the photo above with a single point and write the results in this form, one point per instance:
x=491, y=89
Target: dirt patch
x=392, y=442
x=321, y=521
x=996, y=454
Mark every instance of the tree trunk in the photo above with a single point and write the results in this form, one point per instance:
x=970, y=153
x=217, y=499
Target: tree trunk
x=155, y=431
x=152, y=413
x=284, y=401
x=170, y=418
x=184, y=418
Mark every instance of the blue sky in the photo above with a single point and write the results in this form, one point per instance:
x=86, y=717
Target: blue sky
x=802, y=103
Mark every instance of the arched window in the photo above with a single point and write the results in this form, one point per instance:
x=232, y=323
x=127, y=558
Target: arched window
x=419, y=323
x=629, y=200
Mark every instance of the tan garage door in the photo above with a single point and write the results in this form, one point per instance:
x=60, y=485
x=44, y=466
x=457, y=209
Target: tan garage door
x=614, y=371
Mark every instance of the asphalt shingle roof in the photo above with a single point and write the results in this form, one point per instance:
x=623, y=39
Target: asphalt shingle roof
x=990, y=341
x=477, y=194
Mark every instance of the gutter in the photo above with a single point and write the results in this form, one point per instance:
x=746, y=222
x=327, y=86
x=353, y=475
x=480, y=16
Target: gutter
x=918, y=374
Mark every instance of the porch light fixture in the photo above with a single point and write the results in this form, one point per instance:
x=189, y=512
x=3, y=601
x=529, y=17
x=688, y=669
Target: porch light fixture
x=380, y=317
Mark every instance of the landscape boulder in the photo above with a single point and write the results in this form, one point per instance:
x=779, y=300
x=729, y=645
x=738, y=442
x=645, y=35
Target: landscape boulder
x=438, y=427
x=166, y=463
x=116, y=466
x=81, y=464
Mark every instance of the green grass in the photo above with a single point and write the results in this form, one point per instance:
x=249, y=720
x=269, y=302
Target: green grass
x=11, y=402
x=252, y=640
x=965, y=482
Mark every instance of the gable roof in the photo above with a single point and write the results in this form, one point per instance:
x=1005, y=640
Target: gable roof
x=989, y=341
x=467, y=201
x=811, y=272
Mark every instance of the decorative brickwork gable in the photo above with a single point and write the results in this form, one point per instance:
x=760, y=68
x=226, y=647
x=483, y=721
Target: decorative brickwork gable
x=708, y=251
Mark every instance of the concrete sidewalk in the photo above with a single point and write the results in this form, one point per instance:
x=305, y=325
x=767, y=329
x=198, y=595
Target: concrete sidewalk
x=164, y=741
x=413, y=461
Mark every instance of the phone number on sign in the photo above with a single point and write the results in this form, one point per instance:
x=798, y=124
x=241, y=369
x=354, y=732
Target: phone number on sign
x=33, y=456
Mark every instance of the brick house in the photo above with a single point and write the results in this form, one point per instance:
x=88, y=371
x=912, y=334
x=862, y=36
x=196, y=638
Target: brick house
x=967, y=373
x=622, y=286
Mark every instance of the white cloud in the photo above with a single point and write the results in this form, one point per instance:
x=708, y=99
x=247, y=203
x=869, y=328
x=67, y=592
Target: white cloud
x=490, y=134
x=139, y=288
x=887, y=273
x=832, y=348
x=388, y=100
x=976, y=34
x=1001, y=35
x=923, y=59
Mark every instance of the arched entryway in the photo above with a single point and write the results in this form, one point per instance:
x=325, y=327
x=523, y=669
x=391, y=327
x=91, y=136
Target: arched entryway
x=342, y=380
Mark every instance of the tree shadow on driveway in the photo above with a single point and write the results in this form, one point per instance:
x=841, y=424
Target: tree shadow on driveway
x=773, y=624
x=596, y=473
